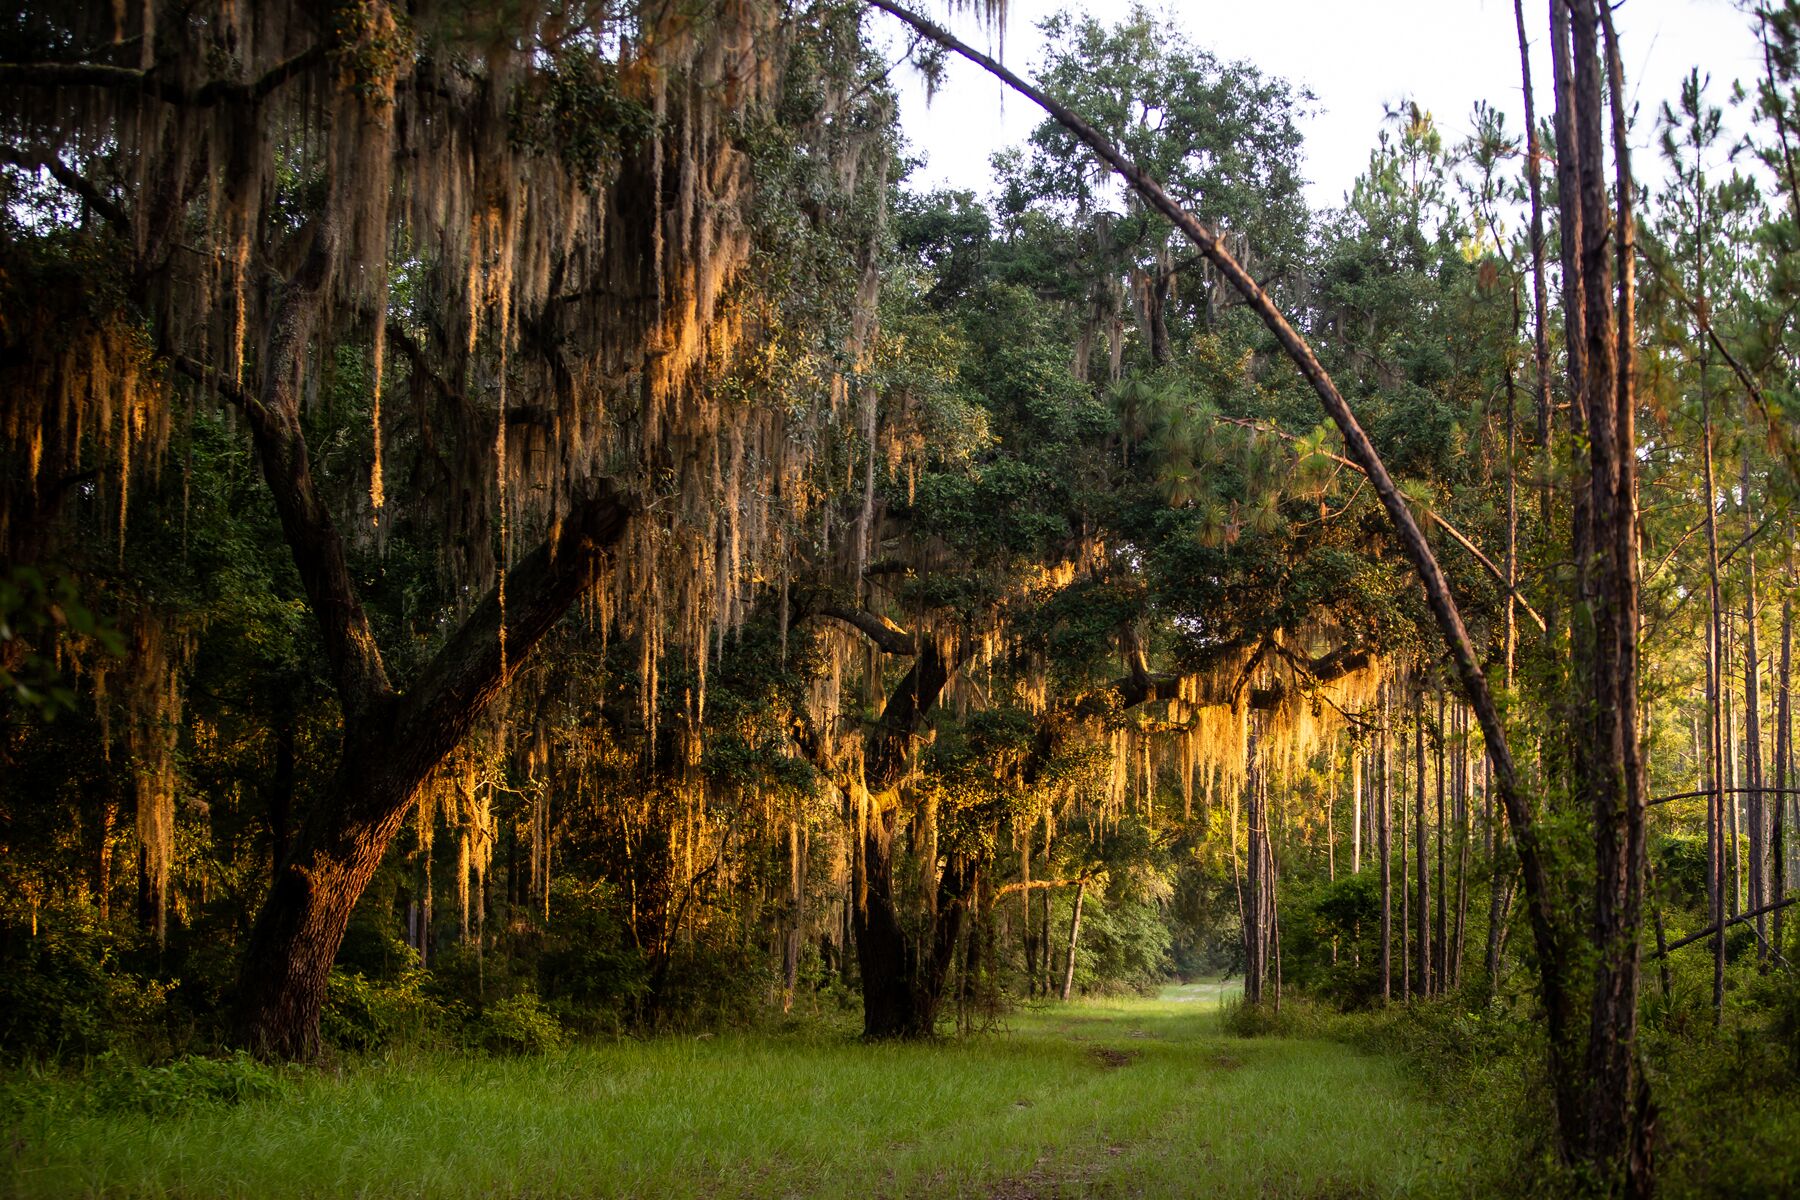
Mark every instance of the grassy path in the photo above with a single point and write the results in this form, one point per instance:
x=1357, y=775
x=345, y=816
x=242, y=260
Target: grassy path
x=1125, y=1098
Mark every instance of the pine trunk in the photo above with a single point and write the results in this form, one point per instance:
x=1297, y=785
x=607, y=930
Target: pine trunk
x=1384, y=836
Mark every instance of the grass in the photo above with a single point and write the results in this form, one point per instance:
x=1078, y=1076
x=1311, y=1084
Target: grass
x=1125, y=1098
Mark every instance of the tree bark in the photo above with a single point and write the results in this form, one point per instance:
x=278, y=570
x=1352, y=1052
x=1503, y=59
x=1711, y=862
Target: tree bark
x=1784, y=750
x=1462, y=856
x=1619, y=1118
x=1255, y=923
x=1068, y=982
x=1422, y=851
x=1753, y=758
x=1384, y=836
x=1440, y=961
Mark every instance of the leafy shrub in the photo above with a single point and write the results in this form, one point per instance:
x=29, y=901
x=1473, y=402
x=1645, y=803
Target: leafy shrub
x=1297, y=1017
x=588, y=969
x=1331, y=939
x=519, y=1024
x=1123, y=947
x=363, y=1015
x=707, y=985
x=63, y=991
x=183, y=1083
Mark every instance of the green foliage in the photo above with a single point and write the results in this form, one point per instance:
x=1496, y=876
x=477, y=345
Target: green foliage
x=366, y=1015
x=710, y=984
x=575, y=108
x=65, y=992
x=587, y=971
x=1295, y=1017
x=518, y=1024
x=1124, y=945
x=35, y=611
x=1331, y=939
x=174, y=1088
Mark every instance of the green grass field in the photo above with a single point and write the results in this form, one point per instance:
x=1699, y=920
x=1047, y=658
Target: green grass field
x=1120, y=1098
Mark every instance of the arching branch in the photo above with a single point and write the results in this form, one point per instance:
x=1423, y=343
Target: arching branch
x=1545, y=921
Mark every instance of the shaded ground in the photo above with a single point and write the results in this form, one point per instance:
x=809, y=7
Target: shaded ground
x=1124, y=1098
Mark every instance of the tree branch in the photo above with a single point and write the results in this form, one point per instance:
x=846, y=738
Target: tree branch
x=457, y=685
x=105, y=75
x=878, y=629
x=71, y=179
x=1437, y=518
x=1412, y=538
x=1710, y=930
x=358, y=673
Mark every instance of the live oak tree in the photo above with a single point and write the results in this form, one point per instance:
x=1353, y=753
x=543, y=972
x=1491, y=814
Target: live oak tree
x=533, y=229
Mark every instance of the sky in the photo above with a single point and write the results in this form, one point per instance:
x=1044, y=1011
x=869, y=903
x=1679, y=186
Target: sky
x=1356, y=56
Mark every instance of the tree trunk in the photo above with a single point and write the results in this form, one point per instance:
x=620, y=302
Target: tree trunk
x=1540, y=294
x=1384, y=837
x=1255, y=925
x=903, y=981
x=1027, y=936
x=1753, y=758
x=1462, y=854
x=1422, y=850
x=796, y=921
x=1068, y=982
x=1715, y=731
x=1784, y=750
x=1618, y=1120
x=390, y=747
x=103, y=859
x=1406, y=887
x=1440, y=961
x=1733, y=794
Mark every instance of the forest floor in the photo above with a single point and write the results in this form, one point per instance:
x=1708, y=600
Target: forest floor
x=1138, y=1097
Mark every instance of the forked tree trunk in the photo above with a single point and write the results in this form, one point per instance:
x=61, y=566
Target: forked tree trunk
x=903, y=978
x=390, y=749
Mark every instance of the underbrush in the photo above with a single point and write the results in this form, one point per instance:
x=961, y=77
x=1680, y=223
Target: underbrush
x=112, y=1085
x=1294, y=1017
x=1727, y=1097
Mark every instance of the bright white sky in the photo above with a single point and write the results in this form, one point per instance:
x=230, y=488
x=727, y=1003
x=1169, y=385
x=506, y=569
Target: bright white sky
x=1356, y=56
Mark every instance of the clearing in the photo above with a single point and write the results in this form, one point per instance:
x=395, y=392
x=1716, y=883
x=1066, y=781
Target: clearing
x=1132, y=1097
